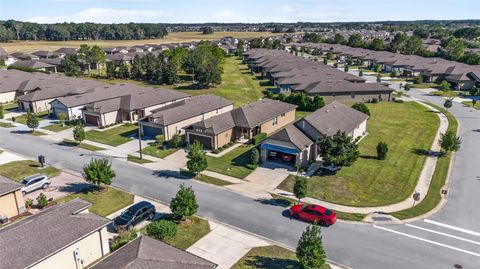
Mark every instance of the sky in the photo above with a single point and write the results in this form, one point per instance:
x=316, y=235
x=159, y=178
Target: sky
x=199, y=11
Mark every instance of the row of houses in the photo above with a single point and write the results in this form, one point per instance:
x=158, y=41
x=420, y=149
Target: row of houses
x=68, y=236
x=289, y=73
x=461, y=76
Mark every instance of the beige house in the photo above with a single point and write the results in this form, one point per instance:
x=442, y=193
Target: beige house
x=263, y=116
x=64, y=236
x=11, y=198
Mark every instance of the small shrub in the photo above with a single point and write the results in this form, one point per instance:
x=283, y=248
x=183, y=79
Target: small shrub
x=28, y=203
x=360, y=73
x=162, y=229
x=123, y=238
x=42, y=200
x=251, y=166
x=216, y=151
x=259, y=138
x=160, y=139
x=418, y=79
x=362, y=108
x=399, y=101
x=254, y=156
x=382, y=150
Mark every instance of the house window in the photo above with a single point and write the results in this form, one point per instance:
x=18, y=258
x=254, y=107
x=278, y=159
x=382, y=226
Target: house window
x=352, y=95
x=274, y=121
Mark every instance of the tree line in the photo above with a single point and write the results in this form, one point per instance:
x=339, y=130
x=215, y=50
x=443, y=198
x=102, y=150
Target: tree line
x=17, y=30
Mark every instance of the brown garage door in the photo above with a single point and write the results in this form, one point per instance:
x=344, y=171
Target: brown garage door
x=204, y=140
x=92, y=119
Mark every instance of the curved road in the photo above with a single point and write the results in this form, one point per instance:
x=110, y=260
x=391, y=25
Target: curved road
x=418, y=245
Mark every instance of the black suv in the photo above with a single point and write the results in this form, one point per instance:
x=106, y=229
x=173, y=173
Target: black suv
x=134, y=215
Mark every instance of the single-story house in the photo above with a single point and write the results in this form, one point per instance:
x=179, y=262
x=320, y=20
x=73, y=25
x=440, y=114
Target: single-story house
x=172, y=119
x=11, y=198
x=37, y=65
x=297, y=143
x=262, y=116
x=63, y=236
x=147, y=253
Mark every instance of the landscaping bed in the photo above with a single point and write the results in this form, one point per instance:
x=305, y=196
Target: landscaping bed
x=233, y=163
x=18, y=170
x=104, y=202
x=408, y=129
x=433, y=196
x=114, y=136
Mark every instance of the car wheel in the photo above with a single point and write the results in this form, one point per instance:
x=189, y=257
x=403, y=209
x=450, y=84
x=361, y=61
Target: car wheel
x=151, y=216
x=323, y=223
x=295, y=215
x=24, y=193
x=45, y=186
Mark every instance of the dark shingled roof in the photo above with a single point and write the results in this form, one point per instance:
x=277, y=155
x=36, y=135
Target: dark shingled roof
x=290, y=135
x=8, y=185
x=216, y=124
x=33, y=239
x=147, y=253
x=36, y=64
x=335, y=117
x=256, y=113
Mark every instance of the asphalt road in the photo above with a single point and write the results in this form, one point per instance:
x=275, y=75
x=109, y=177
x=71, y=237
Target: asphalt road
x=423, y=245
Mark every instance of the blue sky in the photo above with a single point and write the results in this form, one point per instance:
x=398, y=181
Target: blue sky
x=116, y=11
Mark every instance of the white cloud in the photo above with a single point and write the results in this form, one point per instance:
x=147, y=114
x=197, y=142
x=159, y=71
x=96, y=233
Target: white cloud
x=285, y=9
x=104, y=15
x=227, y=15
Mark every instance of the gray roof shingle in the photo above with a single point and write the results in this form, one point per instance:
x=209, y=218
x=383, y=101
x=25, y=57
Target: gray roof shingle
x=8, y=185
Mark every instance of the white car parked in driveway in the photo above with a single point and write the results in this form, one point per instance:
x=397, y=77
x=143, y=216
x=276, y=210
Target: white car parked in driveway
x=35, y=182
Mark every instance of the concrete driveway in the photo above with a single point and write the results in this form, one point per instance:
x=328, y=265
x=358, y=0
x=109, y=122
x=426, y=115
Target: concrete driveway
x=62, y=185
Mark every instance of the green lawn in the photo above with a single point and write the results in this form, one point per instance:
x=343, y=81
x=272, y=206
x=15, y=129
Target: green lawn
x=408, y=129
x=424, y=85
x=114, y=136
x=157, y=152
x=18, y=170
x=269, y=257
x=23, y=118
x=73, y=143
x=301, y=114
x=212, y=180
x=440, y=175
x=188, y=234
x=56, y=127
x=467, y=103
x=10, y=106
x=6, y=125
x=104, y=203
x=233, y=163
x=445, y=93
x=135, y=159
x=37, y=133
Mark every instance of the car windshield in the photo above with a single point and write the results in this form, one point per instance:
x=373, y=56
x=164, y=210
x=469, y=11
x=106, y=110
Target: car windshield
x=305, y=207
x=24, y=181
x=127, y=214
x=328, y=212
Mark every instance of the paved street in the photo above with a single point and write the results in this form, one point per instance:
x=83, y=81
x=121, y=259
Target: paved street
x=433, y=245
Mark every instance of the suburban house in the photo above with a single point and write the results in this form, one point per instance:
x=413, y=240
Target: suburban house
x=11, y=198
x=296, y=144
x=65, y=234
x=147, y=253
x=263, y=116
x=6, y=58
x=109, y=104
x=36, y=64
x=172, y=119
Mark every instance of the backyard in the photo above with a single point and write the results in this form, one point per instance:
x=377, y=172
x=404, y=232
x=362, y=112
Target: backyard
x=233, y=163
x=18, y=170
x=408, y=129
x=114, y=136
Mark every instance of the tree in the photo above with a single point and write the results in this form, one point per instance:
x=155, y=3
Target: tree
x=325, y=61
x=406, y=87
x=346, y=68
x=62, y=117
x=79, y=133
x=254, y=156
x=362, y=108
x=97, y=56
x=418, y=79
x=355, y=40
x=123, y=71
x=339, y=39
x=136, y=68
x=184, y=204
x=32, y=121
x=70, y=65
x=376, y=44
x=398, y=42
x=448, y=103
x=449, y=142
x=98, y=172
x=84, y=55
x=111, y=70
x=414, y=45
x=382, y=150
x=452, y=48
x=197, y=159
x=42, y=200
x=207, y=30
x=393, y=74
x=176, y=141
x=338, y=150
x=300, y=188
x=310, y=252
x=474, y=91
x=360, y=73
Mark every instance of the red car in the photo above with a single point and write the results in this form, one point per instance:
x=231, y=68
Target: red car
x=313, y=213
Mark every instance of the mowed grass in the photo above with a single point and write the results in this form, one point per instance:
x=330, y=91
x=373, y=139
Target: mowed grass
x=114, y=136
x=212, y=180
x=189, y=233
x=408, y=129
x=31, y=46
x=470, y=104
x=270, y=257
x=135, y=159
x=233, y=163
x=104, y=202
x=56, y=127
x=73, y=143
x=6, y=125
x=440, y=175
x=155, y=151
x=18, y=170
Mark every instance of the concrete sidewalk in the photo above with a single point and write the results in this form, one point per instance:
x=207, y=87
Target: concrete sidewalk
x=422, y=186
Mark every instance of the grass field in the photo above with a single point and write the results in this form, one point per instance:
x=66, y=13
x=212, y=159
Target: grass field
x=18, y=170
x=114, y=136
x=104, y=203
x=408, y=129
x=233, y=163
x=440, y=175
x=31, y=46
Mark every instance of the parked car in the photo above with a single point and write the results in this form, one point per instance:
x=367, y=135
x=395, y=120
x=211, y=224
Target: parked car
x=313, y=213
x=35, y=182
x=134, y=215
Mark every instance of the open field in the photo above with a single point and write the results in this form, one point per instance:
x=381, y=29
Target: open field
x=408, y=129
x=31, y=46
